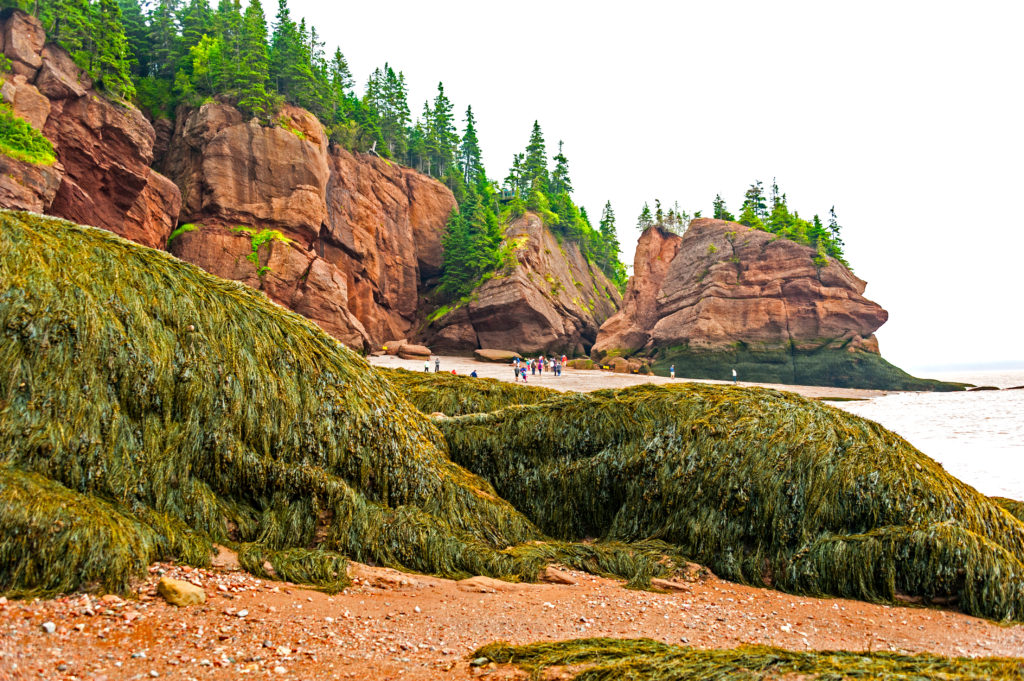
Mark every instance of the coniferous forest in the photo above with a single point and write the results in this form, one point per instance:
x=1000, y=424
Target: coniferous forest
x=159, y=55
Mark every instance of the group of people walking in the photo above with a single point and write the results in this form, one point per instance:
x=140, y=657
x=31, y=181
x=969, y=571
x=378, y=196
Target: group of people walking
x=537, y=365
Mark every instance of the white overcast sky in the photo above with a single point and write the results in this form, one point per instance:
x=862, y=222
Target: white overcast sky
x=907, y=116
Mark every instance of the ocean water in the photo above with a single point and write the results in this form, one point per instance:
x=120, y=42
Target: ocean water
x=976, y=436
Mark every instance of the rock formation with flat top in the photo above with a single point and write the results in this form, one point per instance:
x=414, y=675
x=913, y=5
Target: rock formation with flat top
x=725, y=296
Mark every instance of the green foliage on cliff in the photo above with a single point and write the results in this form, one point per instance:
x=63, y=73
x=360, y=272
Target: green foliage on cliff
x=149, y=409
x=93, y=33
x=609, y=659
x=257, y=239
x=22, y=142
x=763, y=487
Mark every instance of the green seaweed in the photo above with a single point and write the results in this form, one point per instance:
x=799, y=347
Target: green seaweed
x=836, y=367
x=762, y=486
x=458, y=395
x=609, y=659
x=149, y=409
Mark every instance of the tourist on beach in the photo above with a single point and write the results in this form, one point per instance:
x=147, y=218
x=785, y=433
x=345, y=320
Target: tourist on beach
x=563, y=360
x=437, y=364
x=733, y=375
x=426, y=366
x=672, y=371
x=515, y=368
x=524, y=374
x=533, y=367
x=474, y=374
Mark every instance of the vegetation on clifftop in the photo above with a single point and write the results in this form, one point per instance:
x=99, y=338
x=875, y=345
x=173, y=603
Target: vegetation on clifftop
x=768, y=213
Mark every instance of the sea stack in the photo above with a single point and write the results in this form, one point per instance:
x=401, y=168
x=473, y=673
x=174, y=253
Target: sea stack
x=725, y=296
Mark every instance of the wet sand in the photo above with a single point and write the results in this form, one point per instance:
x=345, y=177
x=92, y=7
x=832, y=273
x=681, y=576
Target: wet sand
x=582, y=380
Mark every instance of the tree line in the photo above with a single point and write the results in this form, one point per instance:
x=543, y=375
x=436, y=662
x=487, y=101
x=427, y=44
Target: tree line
x=165, y=53
x=768, y=212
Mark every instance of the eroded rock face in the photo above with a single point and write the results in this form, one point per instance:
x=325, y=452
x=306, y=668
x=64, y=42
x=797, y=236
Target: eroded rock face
x=724, y=297
x=102, y=175
x=552, y=300
x=361, y=233
x=723, y=283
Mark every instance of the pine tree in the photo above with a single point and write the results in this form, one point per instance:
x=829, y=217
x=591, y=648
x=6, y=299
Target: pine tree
x=719, y=211
x=111, y=60
x=251, y=75
x=754, y=200
x=137, y=34
x=834, y=233
x=645, y=220
x=470, y=160
x=163, y=40
x=442, y=139
x=535, y=162
x=659, y=215
x=560, y=181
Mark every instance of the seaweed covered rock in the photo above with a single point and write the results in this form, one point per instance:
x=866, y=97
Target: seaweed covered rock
x=148, y=409
x=459, y=395
x=603, y=659
x=764, y=487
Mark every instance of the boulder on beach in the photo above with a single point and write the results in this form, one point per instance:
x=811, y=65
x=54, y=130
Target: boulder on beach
x=179, y=593
x=392, y=347
x=410, y=351
x=491, y=355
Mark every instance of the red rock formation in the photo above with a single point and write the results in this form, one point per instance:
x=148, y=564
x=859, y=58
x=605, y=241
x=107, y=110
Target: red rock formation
x=723, y=283
x=363, y=232
x=104, y=149
x=552, y=300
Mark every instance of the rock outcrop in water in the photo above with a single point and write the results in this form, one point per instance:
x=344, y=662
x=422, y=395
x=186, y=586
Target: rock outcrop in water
x=726, y=296
x=552, y=299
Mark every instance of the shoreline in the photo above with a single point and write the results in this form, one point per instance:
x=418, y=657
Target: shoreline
x=587, y=380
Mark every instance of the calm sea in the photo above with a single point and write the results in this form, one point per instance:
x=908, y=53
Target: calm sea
x=976, y=436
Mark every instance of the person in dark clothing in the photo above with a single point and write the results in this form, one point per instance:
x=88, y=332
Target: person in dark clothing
x=437, y=364
x=473, y=374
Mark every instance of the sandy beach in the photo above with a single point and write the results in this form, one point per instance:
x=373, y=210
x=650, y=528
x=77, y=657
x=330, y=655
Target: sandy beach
x=585, y=380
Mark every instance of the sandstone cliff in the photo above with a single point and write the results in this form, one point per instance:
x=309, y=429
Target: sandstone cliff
x=725, y=296
x=551, y=299
x=360, y=233
x=104, y=150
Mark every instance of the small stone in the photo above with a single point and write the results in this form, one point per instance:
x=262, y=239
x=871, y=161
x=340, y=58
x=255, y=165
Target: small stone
x=242, y=613
x=479, y=662
x=139, y=656
x=179, y=593
x=280, y=670
x=417, y=609
x=49, y=627
x=154, y=673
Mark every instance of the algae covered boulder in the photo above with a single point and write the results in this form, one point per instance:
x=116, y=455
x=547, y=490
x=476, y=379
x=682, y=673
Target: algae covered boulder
x=148, y=409
x=764, y=487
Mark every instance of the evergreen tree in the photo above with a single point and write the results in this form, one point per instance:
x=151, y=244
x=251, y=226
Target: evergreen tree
x=163, y=53
x=72, y=25
x=137, y=34
x=754, y=201
x=834, y=233
x=645, y=220
x=470, y=160
x=560, y=181
x=659, y=215
x=719, y=211
x=251, y=73
x=112, y=66
x=441, y=137
x=535, y=162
